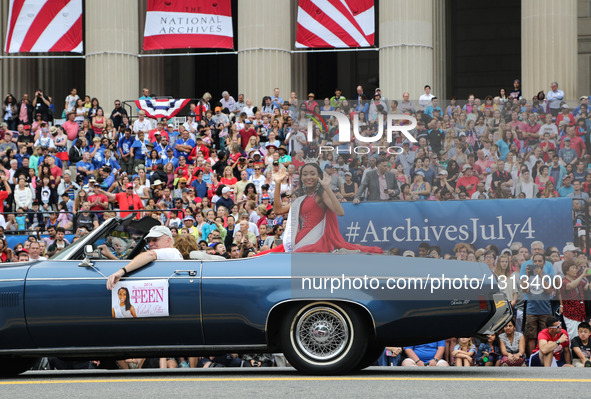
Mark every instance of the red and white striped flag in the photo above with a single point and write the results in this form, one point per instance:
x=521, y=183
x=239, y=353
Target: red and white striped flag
x=335, y=23
x=40, y=26
x=188, y=24
x=162, y=108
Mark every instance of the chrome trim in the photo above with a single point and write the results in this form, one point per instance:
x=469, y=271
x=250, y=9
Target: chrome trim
x=102, y=278
x=11, y=279
x=246, y=277
x=114, y=350
x=325, y=300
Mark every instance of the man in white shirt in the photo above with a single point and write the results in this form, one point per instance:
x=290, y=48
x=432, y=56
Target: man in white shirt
x=425, y=99
x=228, y=101
x=190, y=125
x=554, y=98
x=142, y=124
x=159, y=241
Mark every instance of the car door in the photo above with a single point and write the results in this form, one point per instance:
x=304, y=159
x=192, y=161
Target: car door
x=68, y=305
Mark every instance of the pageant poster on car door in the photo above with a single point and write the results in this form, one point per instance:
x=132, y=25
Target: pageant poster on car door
x=141, y=298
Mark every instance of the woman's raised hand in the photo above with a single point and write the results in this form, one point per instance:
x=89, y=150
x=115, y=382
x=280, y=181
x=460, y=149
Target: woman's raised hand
x=280, y=176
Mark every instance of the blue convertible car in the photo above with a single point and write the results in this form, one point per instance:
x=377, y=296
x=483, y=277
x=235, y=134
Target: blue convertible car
x=328, y=313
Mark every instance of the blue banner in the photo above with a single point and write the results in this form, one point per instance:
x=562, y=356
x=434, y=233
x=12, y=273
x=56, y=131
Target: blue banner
x=405, y=225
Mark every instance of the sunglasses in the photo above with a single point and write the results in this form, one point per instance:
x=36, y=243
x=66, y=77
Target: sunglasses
x=152, y=239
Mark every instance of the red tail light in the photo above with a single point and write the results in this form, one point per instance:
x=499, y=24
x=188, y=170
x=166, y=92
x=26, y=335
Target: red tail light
x=483, y=302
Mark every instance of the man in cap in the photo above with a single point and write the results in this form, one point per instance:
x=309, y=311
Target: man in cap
x=284, y=157
x=158, y=131
x=128, y=201
x=159, y=240
x=225, y=200
x=569, y=253
x=189, y=223
x=583, y=104
x=22, y=255
x=468, y=180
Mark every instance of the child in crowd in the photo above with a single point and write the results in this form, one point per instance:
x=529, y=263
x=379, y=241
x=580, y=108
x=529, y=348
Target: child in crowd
x=489, y=353
x=464, y=352
x=582, y=347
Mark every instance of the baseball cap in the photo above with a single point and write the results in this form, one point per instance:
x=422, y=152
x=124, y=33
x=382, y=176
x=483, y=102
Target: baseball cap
x=170, y=125
x=27, y=127
x=567, y=139
x=182, y=180
x=569, y=247
x=159, y=231
x=466, y=167
x=226, y=190
x=462, y=134
x=218, y=109
x=583, y=98
x=265, y=197
x=129, y=185
x=275, y=162
x=22, y=250
x=408, y=254
x=188, y=218
x=565, y=106
x=92, y=180
x=443, y=172
x=420, y=173
x=348, y=174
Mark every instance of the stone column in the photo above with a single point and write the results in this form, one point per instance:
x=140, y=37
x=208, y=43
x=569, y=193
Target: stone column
x=264, y=58
x=440, y=49
x=111, y=46
x=406, y=47
x=549, y=46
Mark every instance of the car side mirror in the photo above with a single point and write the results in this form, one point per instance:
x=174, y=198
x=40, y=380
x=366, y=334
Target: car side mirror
x=89, y=254
x=88, y=250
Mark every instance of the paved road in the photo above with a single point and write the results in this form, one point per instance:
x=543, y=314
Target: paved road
x=284, y=383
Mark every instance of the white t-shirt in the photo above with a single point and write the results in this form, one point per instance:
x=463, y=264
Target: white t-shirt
x=425, y=100
x=167, y=254
x=142, y=126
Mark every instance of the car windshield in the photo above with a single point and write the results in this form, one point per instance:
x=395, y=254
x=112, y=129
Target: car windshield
x=115, y=239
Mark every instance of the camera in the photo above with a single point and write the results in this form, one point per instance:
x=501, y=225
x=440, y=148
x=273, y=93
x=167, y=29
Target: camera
x=131, y=207
x=529, y=270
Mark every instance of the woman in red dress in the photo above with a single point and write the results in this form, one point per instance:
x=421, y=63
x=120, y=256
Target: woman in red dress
x=313, y=215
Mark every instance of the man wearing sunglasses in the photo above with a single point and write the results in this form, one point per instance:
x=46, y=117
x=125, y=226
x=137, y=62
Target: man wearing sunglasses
x=159, y=241
x=553, y=346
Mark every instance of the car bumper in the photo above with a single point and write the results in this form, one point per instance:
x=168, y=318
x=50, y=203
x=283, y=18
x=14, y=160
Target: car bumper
x=503, y=313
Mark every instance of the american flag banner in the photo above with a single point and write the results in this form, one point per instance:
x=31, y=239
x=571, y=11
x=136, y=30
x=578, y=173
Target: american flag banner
x=188, y=24
x=40, y=26
x=162, y=108
x=335, y=23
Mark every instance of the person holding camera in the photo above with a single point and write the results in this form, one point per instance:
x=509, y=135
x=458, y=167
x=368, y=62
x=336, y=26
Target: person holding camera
x=572, y=294
x=538, y=308
x=41, y=105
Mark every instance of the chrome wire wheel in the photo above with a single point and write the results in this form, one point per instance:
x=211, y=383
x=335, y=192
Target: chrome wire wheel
x=322, y=334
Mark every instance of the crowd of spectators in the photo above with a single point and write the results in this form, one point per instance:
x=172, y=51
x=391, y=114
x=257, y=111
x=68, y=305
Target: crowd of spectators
x=215, y=175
